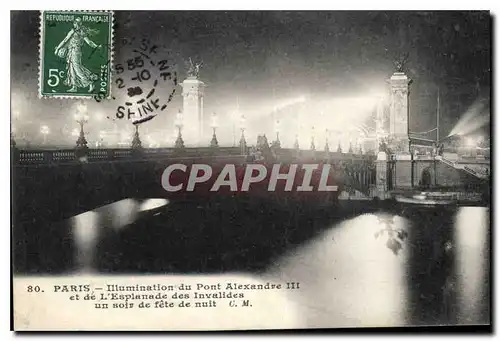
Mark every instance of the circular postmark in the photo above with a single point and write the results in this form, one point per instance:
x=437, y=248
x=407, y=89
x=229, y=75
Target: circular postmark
x=144, y=82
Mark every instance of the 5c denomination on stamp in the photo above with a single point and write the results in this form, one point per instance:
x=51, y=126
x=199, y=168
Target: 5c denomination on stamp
x=76, y=50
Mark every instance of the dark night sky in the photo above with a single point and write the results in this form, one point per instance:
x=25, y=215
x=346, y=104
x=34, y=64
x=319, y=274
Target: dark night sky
x=319, y=54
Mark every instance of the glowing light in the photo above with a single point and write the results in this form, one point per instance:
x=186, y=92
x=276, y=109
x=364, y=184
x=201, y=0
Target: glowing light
x=471, y=228
x=179, y=119
x=44, y=130
x=123, y=212
x=81, y=108
x=469, y=142
x=85, y=235
x=81, y=117
x=151, y=204
x=242, y=121
x=474, y=118
x=277, y=126
x=359, y=280
x=214, y=121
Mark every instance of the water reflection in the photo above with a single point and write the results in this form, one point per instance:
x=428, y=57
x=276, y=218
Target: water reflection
x=119, y=214
x=472, y=264
x=85, y=234
x=398, y=265
x=348, y=276
x=90, y=227
x=351, y=276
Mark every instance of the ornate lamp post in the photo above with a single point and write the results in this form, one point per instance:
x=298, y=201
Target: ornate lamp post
x=136, y=141
x=296, y=143
x=360, y=146
x=277, y=128
x=102, y=135
x=81, y=118
x=339, y=141
x=327, y=147
x=351, y=132
x=44, y=130
x=243, y=142
x=313, y=146
x=214, y=143
x=179, y=142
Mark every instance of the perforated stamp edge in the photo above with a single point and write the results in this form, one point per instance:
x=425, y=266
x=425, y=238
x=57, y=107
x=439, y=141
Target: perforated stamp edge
x=41, y=33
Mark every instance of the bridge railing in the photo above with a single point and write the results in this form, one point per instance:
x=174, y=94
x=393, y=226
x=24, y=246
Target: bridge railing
x=357, y=170
x=33, y=157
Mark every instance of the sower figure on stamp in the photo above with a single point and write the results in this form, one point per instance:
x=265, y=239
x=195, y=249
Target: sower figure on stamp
x=78, y=76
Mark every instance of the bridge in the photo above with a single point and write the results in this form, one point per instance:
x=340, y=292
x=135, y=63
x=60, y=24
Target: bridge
x=98, y=176
x=106, y=175
x=101, y=176
x=103, y=189
x=51, y=186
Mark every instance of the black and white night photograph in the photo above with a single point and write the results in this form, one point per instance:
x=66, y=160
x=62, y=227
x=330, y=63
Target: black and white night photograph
x=250, y=170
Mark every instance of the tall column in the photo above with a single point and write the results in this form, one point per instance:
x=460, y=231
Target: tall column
x=193, y=93
x=399, y=113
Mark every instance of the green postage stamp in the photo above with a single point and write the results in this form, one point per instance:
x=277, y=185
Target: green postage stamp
x=76, y=50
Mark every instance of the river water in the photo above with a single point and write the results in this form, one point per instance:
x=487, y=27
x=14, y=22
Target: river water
x=359, y=263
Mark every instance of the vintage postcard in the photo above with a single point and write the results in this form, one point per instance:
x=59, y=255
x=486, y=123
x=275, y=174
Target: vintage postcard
x=250, y=170
x=76, y=53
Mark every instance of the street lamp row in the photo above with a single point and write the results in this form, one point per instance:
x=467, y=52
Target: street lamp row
x=81, y=117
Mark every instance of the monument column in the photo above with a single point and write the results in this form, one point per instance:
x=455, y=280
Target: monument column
x=399, y=113
x=193, y=93
x=399, y=139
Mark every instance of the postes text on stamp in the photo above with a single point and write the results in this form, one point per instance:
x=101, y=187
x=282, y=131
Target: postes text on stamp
x=76, y=54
